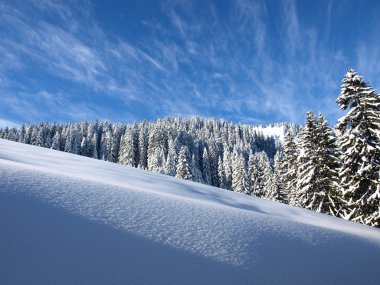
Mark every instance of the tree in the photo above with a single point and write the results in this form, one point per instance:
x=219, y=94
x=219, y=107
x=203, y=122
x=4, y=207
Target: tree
x=238, y=173
x=264, y=175
x=327, y=191
x=252, y=174
x=127, y=155
x=171, y=160
x=221, y=174
x=227, y=166
x=360, y=147
x=290, y=167
x=183, y=166
x=307, y=163
x=56, y=144
x=206, y=168
x=276, y=189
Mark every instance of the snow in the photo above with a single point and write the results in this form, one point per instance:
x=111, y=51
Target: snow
x=276, y=131
x=67, y=219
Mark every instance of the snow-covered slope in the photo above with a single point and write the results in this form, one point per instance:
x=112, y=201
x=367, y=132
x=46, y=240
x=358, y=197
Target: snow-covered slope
x=67, y=219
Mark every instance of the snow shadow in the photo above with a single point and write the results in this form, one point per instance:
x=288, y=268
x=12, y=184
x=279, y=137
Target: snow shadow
x=42, y=244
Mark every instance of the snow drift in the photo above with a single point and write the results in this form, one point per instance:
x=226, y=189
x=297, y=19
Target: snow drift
x=67, y=219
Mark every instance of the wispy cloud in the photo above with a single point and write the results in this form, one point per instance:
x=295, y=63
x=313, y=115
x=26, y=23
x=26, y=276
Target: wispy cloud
x=238, y=61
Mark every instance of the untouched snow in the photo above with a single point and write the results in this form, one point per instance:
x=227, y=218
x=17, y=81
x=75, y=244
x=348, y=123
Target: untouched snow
x=67, y=219
x=276, y=131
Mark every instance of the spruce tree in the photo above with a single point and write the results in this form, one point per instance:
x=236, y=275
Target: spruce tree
x=127, y=155
x=327, y=192
x=221, y=174
x=276, y=189
x=289, y=167
x=183, y=166
x=252, y=174
x=238, y=173
x=264, y=175
x=360, y=147
x=206, y=167
x=171, y=160
x=307, y=164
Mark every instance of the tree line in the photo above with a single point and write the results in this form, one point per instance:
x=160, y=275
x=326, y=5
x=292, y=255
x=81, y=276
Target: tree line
x=336, y=171
x=226, y=155
x=329, y=170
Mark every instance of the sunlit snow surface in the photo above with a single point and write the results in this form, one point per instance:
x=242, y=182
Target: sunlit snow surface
x=66, y=219
x=278, y=132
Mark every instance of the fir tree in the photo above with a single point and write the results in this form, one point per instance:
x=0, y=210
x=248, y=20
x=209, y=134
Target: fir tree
x=276, y=189
x=264, y=175
x=56, y=144
x=360, y=147
x=127, y=155
x=252, y=175
x=238, y=173
x=327, y=191
x=290, y=167
x=221, y=174
x=206, y=168
x=307, y=163
x=183, y=166
x=171, y=160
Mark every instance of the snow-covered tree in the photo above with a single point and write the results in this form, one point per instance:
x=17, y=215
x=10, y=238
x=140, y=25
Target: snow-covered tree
x=360, y=147
x=221, y=174
x=56, y=144
x=327, y=190
x=290, y=167
x=307, y=163
x=195, y=169
x=183, y=165
x=276, y=189
x=252, y=174
x=227, y=166
x=206, y=168
x=127, y=154
x=171, y=160
x=143, y=146
x=264, y=175
x=238, y=173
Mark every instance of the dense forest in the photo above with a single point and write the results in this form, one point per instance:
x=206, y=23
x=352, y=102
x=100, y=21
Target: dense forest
x=329, y=170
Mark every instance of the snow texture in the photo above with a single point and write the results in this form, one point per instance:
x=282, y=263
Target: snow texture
x=67, y=219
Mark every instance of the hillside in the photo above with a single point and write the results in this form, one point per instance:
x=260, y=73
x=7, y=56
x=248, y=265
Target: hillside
x=68, y=219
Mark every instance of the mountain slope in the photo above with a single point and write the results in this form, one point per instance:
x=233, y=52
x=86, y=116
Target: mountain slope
x=67, y=219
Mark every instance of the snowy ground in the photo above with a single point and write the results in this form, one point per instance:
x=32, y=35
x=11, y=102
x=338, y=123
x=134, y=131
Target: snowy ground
x=66, y=219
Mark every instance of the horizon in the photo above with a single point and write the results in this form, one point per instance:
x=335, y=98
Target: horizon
x=248, y=62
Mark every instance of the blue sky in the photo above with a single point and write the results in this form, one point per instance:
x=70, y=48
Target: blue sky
x=253, y=62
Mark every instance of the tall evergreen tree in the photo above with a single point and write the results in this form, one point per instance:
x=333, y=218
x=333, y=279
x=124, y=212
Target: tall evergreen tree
x=252, y=174
x=56, y=144
x=327, y=190
x=183, y=166
x=238, y=173
x=127, y=155
x=221, y=174
x=290, y=167
x=276, y=190
x=206, y=168
x=171, y=160
x=360, y=147
x=264, y=175
x=307, y=163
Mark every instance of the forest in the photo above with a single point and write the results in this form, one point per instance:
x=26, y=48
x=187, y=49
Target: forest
x=332, y=170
